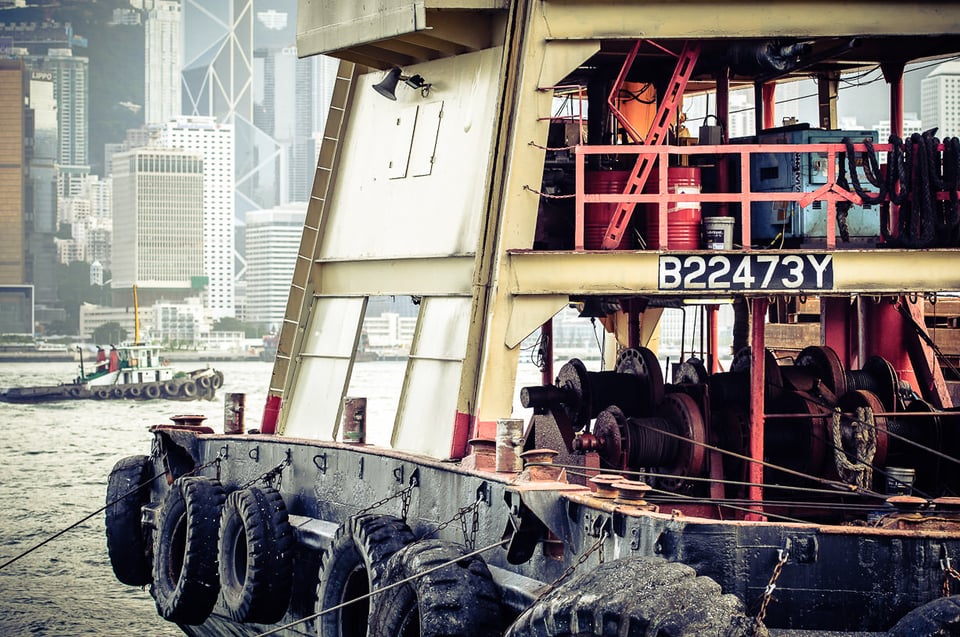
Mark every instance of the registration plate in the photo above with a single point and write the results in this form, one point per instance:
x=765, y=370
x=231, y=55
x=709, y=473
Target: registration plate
x=750, y=271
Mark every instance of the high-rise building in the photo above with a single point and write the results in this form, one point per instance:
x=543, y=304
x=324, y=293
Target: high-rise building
x=16, y=295
x=291, y=98
x=163, y=61
x=71, y=81
x=41, y=200
x=215, y=142
x=157, y=225
x=273, y=239
x=940, y=99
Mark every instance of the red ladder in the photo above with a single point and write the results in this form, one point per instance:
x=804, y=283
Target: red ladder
x=657, y=136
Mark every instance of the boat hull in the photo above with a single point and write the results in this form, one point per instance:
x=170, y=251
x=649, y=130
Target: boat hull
x=883, y=572
x=189, y=387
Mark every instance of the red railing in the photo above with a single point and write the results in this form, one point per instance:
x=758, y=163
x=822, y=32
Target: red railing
x=830, y=192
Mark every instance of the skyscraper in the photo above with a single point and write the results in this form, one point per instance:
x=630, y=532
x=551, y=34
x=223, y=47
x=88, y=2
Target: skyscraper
x=41, y=200
x=16, y=295
x=70, y=77
x=940, y=99
x=157, y=224
x=163, y=61
x=273, y=239
x=215, y=143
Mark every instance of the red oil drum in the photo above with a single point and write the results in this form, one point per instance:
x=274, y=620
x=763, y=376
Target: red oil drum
x=597, y=216
x=683, y=217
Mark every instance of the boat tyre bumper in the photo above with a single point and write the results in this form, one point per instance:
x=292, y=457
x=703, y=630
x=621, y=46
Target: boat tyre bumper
x=255, y=556
x=354, y=566
x=939, y=617
x=645, y=594
x=185, y=583
x=128, y=544
x=457, y=600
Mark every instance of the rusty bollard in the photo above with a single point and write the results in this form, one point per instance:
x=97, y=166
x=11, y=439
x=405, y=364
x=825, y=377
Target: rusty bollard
x=355, y=420
x=233, y=407
x=538, y=461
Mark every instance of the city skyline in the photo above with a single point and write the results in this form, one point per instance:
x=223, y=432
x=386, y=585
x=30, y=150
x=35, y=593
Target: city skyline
x=233, y=62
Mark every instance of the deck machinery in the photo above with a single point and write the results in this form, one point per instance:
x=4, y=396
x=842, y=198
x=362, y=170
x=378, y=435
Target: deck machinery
x=809, y=484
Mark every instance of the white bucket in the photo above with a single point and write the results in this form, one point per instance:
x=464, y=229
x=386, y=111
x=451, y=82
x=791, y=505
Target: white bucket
x=718, y=233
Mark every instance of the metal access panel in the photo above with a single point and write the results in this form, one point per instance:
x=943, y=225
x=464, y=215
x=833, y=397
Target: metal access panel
x=803, y=172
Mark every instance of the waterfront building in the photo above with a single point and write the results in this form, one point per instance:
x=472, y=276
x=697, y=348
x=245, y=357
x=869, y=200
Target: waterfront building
x=215, y=142
x=158, y=224
x=272, y=242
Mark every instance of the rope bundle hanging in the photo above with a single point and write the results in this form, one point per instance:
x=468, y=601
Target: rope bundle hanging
x=915, y=176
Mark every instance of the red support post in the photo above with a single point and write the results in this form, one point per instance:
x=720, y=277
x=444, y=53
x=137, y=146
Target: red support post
x=758, y=313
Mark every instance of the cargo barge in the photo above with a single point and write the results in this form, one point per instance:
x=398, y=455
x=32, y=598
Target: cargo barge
x=501, y=160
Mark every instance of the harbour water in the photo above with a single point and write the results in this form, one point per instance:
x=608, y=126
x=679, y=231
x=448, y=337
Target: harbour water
x=54, y=463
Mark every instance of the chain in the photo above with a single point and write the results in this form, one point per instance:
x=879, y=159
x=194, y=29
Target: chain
x=273, y=474
x=948, y=573
x=782, y=554
x=403, y=494
x=597, y=548
x=469, y=537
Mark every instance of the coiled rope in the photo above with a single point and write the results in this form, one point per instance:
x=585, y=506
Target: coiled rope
x=916, y=174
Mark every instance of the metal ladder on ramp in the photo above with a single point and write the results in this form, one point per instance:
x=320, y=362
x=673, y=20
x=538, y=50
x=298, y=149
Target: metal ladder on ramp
x=656, y=136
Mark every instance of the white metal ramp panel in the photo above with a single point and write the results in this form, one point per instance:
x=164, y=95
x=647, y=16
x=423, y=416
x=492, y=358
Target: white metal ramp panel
x=323, y=369
x=428, y=407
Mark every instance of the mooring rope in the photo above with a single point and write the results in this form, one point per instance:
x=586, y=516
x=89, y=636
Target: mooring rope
x=80, y=521
x=101, y=510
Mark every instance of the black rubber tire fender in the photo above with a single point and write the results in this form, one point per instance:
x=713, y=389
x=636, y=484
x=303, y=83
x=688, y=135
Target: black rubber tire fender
x=217, y=380
x=185, y=583
x=255, y=555
x=151, y=391
x=101, y=393
x=134, y=391
x=354, y=566
x=75, y=392
x=938, y=618
x=171, y=389
x=128, y=543
x=457, y=600
x=116, y=392
x=636, y=596
x=204, y=382
x=188, y=389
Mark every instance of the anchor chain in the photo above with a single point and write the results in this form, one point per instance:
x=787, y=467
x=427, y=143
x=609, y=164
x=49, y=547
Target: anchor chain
x=949, y=572
x=596, y=547
x=782, y=556
x=469, y=538
x=404, y=494
x=268, y=477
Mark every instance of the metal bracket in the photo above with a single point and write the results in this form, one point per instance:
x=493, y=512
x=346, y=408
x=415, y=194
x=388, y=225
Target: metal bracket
x=254, y=454
x=320, y=462
x=398, y=474
x=224, y=452
x=415, y=478
x=483, y=494
x=360, y=474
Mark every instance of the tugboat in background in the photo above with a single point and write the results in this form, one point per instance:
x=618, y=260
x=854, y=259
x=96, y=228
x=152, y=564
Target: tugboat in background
x=130, y=370
x=136, y=371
